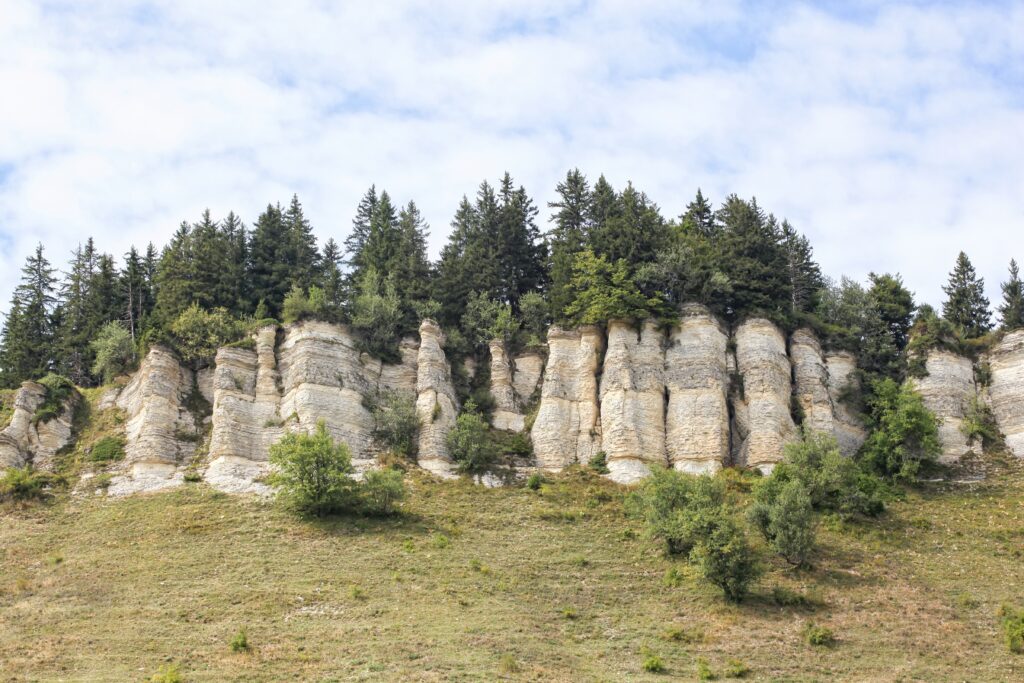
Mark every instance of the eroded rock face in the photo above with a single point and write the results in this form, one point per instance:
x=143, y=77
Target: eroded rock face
x=568, y=428
x=947, y=391
x=24, y=441
x=762, y=363
x=810, y=382
x=528, y=368
x=506, y=413
x=697, y=379
x=842, y=382
x=1006, y=389
x=160, y=432
x=436, y=402
x=632, y=395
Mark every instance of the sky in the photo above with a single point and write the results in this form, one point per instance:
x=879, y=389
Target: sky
x=891, y=134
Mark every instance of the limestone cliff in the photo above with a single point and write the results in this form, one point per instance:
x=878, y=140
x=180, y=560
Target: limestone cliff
x=436, y=403
x=843, y=386
x=697, y=380
x=567, y=428
x=26, y=441
x=1006, y=389
x=810, y=382
x=632, y=393
x=161, y=433
x=506, y=413
x=947, y=391
x=762, y=363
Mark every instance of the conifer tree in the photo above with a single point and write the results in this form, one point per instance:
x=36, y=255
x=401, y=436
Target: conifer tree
x=331, y=279
x=27, y=340
x=1011, y=311
x=360, y=226
x=804, y=274
x=632, y=229
x=268, y=262
x=75, y=330
x=302, y=255
x=699, y=216
x=966, y=305
x=175, y=276
x=568, y=237
x=887, y=320
x=237, y=298
x=134, y=292
x=411, y=267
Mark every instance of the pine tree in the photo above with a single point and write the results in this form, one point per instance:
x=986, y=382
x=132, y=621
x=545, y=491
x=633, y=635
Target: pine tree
x=175, y=277
x=27, y=341
x=633, y=230
x=411, y=267
x=134, y=292
x=521, y=252
x=356, y=240
x=16, y=363
x=237, y=297
x=804, y=274
x=331, y=279
x=302, y=255
x=1011, y=312
x=568, y=237
x=887, y=320
x=268, y=263
x=75, y=330
x=381, y=244
x=966, y=306
x=699, y=216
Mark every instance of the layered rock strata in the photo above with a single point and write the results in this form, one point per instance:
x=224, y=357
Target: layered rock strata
x=697, y=380
x=1006, y=389
x=843, y=388
x=947, y=390
x=632, y=393
x=160, y=431
x=26, y=441
x=568, y=426
x=506, y=415
x=810, y=382
x=436, y=403
x=764, y=403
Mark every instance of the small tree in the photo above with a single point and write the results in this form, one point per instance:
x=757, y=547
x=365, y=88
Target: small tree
x=381, y=492
x=967, y=306
x=486, y=319
x=784, y=517
x=377, y=313
x=198, y=334
x=313, y=473
x=300, y=306
x=677, y=508
x=469, y=442
x=904, y=435
x=724, y=557
x=396, y=424
x=1011, y=311
x=114, y=349
x=602, y=291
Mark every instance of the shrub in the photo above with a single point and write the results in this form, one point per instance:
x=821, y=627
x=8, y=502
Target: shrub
x=704, y=672
x=819, y=636
x=486, y=319
x=734, y=668
x=377, y=313
x=313, y=473
x=1012, y=622
x=508, y=664
x=114, y=349
x=724, y=557
x=675, y=507
x=653, y=664
x=904, y=434
x=396, y=424
x=381, y=491
x=24, y=484
x=58, y=390
x=197, y=334
x=599, y=463
x=469, y=442
x=673, y=578
x=534, y=481
x=783, y=515
x=107, y=449
x=240, y=642
x=300, y=306
x=167, y=674
x=980, y=423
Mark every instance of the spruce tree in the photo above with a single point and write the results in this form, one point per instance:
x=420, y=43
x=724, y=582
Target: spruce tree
x=27, y=341
x=356, y=240
x=75, y=330
x=302, y=256
x=134, y=292
x=268, y=262
x=1011, y=311
x=887, y=320
x=699, y=216
x=568, y=237
x=237, y=297
x=411, y=267
x=175, y=277
x=331, y=279
x=966, y=305
x=632, y=229
x=804, y=274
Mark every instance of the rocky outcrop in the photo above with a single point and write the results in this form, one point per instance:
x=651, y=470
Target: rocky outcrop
x=567, y=428
x=27, y=441
x=528, y=368
x=506, y=415
x=632, y=392
x=436, y=402
x=763, y=404
x=810, y=382
x=947, y=391
x=161, y=433
x=1006, y=389
x=843, y=387
x=697, y=380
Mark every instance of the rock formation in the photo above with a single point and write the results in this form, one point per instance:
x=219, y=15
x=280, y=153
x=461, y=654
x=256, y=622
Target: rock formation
x=567, y=428
x=527, y=370
x=947, y=391
x=632, y=392
x=26, y=441
x=843, y=387
x=506, y=413
x=764, y=404
x=810, y=382
x=1006, y=389
x=697, y=379
x=161, y=433
x=436, y=403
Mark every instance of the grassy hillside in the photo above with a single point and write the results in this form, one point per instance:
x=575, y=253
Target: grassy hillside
x=506, y=584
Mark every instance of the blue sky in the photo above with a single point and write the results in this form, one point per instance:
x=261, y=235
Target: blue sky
x=892, y=134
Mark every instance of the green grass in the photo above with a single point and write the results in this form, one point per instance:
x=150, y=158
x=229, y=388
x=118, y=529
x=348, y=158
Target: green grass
x=167, y=580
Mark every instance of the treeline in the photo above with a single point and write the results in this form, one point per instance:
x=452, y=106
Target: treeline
x=607, y=254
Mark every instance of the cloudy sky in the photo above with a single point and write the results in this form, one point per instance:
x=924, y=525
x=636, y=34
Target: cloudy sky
x=893, y=135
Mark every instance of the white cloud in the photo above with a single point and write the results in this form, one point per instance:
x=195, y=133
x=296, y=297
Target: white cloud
x=892, y=135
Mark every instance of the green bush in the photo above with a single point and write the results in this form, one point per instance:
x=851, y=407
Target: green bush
x=197, y=334
x=819, y=636
x=114, y=349
x=240, y=642
x=58, y=390
x=653, y=664
x=904, y=435
x=534, y=481
x=980, y=423
x=396, y=424
x=1012, y=623
x=25, y=484
x=313, y=473
x=469, y=442
x=107, y=449
x=676, y=507
x=723, y=556
x=784, y=516
x=377, y=314
x=599, y=463
x=168, y=674
x=704, y=672
x=381, y=492
x=300, y=306
x=734, y=668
